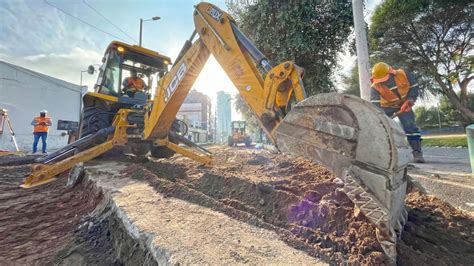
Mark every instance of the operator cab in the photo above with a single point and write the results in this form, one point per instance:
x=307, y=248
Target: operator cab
x=129, y=70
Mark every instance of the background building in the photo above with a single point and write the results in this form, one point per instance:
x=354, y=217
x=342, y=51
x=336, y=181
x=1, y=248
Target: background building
x=196, y=112
x=24, y=93
x=223, y=115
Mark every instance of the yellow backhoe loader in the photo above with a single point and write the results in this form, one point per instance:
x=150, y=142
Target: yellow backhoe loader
x=239, y=134
x=364, y=148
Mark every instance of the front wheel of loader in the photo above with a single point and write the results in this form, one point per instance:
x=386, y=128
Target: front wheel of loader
x=140, y=148
x=161, y=152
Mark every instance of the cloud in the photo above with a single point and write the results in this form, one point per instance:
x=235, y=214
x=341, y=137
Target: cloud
x=65, y=66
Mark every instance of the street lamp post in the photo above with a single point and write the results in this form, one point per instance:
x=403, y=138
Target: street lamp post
x=141, y=27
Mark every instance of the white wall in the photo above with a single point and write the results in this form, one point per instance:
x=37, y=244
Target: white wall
x=24, y=93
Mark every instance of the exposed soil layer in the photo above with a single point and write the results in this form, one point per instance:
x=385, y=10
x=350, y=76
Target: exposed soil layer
x=102, y=239
x=52, y=224
x=36, y=223
x=299, y=200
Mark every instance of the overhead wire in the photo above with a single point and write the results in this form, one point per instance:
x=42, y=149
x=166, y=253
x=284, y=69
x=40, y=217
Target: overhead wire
x=108, y=20
x=83, y=21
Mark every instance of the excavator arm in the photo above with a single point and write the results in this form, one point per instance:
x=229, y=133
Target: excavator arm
x=245, y=65
x=364, y=148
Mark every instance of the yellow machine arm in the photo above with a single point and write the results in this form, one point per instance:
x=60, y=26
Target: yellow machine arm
x=243, y=63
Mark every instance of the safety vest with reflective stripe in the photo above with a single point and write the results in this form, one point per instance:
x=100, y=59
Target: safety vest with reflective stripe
x=135, y=83
x=39, y=126
x=396, y=96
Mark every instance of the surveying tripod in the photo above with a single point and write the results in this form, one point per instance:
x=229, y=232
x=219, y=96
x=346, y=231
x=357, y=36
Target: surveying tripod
x=5, y=120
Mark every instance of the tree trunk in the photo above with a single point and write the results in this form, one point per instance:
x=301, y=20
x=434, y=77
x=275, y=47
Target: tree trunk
x=467, y=114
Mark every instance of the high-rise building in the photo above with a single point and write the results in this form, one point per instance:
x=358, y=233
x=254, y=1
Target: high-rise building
x=223, y=115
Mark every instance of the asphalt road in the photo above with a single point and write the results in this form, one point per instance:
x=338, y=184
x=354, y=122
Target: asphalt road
x=447, y=175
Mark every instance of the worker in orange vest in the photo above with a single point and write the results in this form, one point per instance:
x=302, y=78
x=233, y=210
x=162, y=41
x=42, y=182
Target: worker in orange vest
x=40, y=130
x=395, y=92
x=133, y=83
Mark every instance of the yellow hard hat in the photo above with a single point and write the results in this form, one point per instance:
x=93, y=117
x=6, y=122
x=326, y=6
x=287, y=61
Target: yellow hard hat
x=380, y=72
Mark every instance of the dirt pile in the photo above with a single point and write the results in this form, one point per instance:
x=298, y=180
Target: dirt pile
x=300, y=200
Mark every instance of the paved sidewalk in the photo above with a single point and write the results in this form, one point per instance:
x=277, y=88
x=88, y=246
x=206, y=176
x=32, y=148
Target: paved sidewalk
x=447, y=175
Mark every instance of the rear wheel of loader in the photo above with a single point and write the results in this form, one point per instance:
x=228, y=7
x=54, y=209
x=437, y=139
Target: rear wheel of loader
x=230, y=141
x=94, y=119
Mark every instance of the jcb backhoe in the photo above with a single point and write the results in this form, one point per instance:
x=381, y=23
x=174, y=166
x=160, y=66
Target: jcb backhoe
x=238, y=134
x=364, y=148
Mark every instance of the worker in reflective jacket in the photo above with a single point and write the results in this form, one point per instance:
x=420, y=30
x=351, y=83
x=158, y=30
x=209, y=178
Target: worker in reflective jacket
x=395, y=92
x=133, y=83
x=41, y=125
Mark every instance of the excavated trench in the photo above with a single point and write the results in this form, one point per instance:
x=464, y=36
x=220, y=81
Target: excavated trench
x=52, y=224
x=292, y=197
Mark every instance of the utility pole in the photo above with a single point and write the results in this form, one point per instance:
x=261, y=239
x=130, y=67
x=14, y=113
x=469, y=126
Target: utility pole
x=362, y=48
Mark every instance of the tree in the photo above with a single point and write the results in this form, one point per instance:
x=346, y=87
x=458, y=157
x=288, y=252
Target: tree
x=434, y=39
x=351, y=82
x=308, y=32
x=253, y=127
x=428, y=117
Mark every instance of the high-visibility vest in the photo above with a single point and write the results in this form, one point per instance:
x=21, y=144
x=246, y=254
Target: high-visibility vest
x=41, y=128
x=136, y=83
x=394, y=97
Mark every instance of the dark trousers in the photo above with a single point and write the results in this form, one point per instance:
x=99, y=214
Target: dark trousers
x=408, y=123
x=37, y=136
x=407, y=119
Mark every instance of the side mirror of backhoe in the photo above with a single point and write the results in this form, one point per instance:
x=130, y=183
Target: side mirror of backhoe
x=91, y=69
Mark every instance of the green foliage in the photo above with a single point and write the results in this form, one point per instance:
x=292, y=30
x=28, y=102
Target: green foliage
x=445, y=141
x=351, y=82
x=432, y=38
x=241, y=106
x=427, y=118
x=308, y=32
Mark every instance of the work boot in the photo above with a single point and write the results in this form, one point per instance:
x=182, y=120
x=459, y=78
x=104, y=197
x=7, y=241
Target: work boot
x=418, y=157
x=417, y=153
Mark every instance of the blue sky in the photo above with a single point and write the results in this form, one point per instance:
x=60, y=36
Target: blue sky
x=38, y=36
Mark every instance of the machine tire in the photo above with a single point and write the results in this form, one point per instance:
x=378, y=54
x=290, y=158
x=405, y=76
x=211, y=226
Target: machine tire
x=140, y=148
x=230, y=141
x=93, y=119
x=161, y=152
x=248, y=142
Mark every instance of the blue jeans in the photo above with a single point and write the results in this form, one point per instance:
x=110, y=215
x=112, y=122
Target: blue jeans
x=408, y=123
x=37, y=136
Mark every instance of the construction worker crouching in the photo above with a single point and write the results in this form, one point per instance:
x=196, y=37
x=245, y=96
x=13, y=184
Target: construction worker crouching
x=133, y=84
x=395, y=92
x=41, y=125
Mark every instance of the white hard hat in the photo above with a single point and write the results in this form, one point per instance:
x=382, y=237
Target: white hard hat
x=44, y=111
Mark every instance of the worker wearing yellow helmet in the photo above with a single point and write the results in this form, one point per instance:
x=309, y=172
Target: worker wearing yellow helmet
x=395, y=92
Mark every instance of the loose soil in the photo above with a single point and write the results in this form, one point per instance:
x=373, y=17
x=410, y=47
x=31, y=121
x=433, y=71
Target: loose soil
x=291, y=196
x=52, y=224
x=294, y=195
x=36, y=223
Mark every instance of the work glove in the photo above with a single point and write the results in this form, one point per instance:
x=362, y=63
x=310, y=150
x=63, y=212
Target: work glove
x=407, y=105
